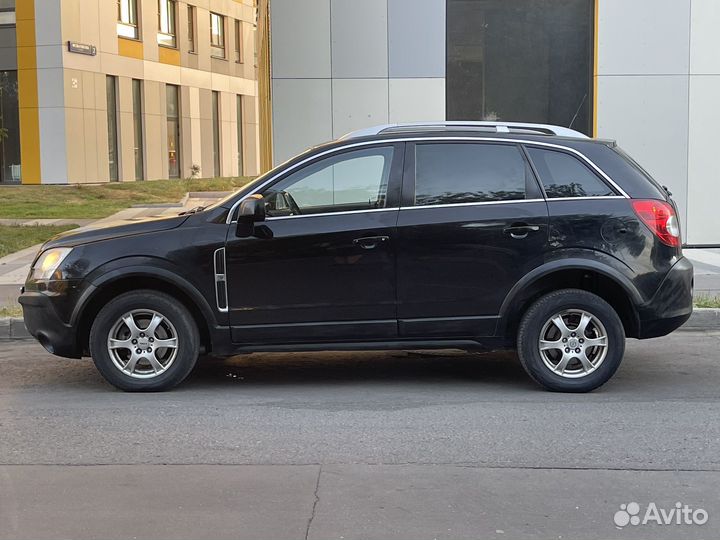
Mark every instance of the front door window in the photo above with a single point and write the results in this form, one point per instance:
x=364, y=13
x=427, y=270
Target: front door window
x=355, y=180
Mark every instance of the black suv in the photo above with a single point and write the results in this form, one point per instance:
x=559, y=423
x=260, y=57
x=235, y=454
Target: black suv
x=451, y=235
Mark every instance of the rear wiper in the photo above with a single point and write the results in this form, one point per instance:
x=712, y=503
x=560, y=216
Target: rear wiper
x=192, y=211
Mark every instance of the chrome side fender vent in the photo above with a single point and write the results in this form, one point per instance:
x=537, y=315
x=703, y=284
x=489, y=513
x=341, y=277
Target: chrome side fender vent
x=221, y=296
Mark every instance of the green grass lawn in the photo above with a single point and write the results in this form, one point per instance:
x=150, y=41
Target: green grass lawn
x=706, y=301
x=98, y=201
x=14, y=238
x=10, y=311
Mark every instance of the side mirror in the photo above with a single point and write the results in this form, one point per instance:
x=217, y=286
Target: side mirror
x=252, y=210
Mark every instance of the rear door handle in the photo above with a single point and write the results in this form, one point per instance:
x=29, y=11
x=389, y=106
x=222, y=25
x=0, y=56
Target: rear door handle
x=520, y=230
x=370, y=242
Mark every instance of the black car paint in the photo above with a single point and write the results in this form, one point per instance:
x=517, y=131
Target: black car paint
x=434, y=276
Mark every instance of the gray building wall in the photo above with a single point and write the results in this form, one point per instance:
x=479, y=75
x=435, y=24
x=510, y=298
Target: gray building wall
x=339, y=65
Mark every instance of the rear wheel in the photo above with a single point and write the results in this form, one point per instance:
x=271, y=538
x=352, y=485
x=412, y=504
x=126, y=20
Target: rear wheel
x=144, y=341
x=571, y=341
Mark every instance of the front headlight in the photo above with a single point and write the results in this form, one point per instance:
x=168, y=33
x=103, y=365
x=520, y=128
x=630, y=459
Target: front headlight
x=49, y=262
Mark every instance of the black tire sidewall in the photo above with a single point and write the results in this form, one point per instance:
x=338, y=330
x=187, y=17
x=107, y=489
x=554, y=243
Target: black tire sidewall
x=547, y=306
x=174, y=311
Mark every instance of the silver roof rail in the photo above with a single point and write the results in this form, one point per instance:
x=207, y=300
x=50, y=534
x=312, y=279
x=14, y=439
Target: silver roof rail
x=497, y=127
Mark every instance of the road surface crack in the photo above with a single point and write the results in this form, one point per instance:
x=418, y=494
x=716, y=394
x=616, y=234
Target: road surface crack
x=315, y=503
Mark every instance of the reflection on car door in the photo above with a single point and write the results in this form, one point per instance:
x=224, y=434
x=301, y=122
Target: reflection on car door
x=324, y=269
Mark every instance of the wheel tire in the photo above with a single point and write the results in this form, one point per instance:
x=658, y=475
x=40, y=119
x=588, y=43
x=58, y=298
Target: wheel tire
x=535, y=321
x=176, y=319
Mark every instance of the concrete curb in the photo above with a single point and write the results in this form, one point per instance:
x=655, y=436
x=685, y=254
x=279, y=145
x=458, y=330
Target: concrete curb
x=701, y=319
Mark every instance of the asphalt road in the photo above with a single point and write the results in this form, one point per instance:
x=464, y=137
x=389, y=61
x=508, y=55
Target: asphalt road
x=372, y=445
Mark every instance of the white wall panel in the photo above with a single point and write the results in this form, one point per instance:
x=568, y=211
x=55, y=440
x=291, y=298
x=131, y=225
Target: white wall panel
x=302, y=115
x=705, y=37
x=359, y=38
x=647, y=115
x=642, y=37
x=416, y=100
x=300, y=38
x=358, y=103
x=703, y=222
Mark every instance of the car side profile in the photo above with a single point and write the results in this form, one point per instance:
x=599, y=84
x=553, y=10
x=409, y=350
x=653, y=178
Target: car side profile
x=417, y=236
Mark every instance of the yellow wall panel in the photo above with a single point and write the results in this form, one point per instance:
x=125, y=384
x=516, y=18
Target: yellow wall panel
x=169, y=56
x=130, y=48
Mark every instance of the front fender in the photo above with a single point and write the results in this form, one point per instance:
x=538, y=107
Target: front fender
x=160, y=269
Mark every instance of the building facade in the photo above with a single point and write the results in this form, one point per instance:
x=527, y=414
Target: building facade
x=126, y=90
x=643, y=72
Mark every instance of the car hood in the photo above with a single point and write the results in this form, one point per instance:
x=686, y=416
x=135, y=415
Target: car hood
x=116, y=229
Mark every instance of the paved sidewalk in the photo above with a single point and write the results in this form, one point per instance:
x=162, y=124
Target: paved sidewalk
x=707, y=270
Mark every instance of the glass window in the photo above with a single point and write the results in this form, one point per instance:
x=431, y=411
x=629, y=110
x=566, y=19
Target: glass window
x=7, y=12
x=564, y=175
x=238, y=41
x=191, y=28
x=172, y=96
x=9, y=128
x=166, y=23
x=127, y=25
x=216, y=132
x=217, y=35
x=520, y=60
x=355, y=180
x=452, y=173
x=112, y=125
x=138, y=129
x=240, y=135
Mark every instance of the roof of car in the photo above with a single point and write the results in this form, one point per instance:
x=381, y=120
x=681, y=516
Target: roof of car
x=478, y=127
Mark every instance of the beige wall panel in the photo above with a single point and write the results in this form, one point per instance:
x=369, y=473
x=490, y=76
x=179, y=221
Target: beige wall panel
x=203, y=37
x=186, y=151
x=156, y=154
x=106, y=23
x=218, y=65
x=101, y=137
x=156, y=71
x=205, y=102
x=114, y=65
x=246, y=87
x=73, y=85
x=75, y=145
x=125, y=99
x=149, y=29
x=126, y=147
x=252, y=150
x=152, y=98
x=87, y=88
x=81, y=62
x=194, y=77
x=90, y=143
x=206, y=141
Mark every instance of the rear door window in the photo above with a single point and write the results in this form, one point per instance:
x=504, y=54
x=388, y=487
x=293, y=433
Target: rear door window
x=451, y=173
x=564, y=175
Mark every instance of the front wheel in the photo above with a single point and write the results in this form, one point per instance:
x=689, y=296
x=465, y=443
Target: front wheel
x=571, y=341
x=144, y=341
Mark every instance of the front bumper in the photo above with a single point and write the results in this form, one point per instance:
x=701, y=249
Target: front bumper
x=671, y=305
x=46, y=325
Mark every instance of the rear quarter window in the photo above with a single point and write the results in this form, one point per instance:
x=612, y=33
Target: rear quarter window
x=564, y=175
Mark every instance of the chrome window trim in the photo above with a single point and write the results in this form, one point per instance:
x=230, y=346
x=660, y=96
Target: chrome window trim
x=221, y=278
x=325, y=214
x=509, y=140
x=585, y=198
x=477, y=203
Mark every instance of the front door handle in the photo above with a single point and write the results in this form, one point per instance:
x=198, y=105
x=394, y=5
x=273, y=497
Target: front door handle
x=370, y=242
x=520, y=230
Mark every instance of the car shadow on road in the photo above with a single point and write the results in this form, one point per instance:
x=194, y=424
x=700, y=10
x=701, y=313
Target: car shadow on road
x=437, y=367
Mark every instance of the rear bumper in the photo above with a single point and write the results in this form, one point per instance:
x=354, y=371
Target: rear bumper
x=672, y=304
x=45, y=325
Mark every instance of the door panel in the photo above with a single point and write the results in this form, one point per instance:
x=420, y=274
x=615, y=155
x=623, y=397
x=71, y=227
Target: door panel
x=472, y=223
x=315, y=271
x=457, y=264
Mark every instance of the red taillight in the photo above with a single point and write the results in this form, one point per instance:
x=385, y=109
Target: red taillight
x=660, y=217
